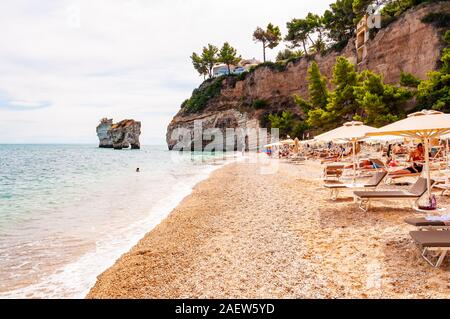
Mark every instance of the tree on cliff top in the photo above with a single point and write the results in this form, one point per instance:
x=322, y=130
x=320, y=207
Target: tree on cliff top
x=316, y=32
x=298, y=30
x=339, y=21
x=204, y=63
x=308, y=32
x=270, y=38
x=288, y=54
x=228, y=56
x=199, y=65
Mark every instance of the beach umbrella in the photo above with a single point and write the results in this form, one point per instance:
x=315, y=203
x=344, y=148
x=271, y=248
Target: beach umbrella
x=423, y=125
x=384, y=139
x=350, y=132
x=296, y=145
x=289, y=141
x=308, y=142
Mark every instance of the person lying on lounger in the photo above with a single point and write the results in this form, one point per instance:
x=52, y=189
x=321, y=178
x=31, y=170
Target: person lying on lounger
x=418, y=155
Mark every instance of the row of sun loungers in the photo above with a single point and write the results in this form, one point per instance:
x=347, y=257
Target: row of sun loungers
x=432, y=235
x=372, y=183
x=413, y=194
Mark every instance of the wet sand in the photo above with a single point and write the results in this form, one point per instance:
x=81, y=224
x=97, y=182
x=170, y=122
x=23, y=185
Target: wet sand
x=243, y=234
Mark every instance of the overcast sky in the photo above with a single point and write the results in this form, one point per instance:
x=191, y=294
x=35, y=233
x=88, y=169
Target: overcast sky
x=66, y=64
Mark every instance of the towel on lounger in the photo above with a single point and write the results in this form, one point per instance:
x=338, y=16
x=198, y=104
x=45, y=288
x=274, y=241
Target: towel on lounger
x=443, y=218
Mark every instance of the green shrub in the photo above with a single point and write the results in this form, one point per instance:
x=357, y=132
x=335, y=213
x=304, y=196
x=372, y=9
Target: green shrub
x=242, y=76
x=409, y=80
x=337, y=47
x=202, y=95
x=259, y=104
x=277, y=66
x=264, y=120
x=437, y=19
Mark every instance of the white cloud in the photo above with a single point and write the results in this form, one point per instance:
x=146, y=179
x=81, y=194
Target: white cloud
x=61, y=72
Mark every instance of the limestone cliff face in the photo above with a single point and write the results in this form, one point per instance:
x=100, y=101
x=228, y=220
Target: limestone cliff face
x=120, y=135
x=103, y=133
x=405, y=45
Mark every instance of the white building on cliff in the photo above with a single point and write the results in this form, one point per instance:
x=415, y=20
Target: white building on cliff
x=243, y=66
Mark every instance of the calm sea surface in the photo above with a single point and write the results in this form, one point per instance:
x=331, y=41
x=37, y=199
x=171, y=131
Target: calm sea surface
x=67, y=212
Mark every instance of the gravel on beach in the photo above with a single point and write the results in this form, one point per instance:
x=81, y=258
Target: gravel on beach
x=244, y=233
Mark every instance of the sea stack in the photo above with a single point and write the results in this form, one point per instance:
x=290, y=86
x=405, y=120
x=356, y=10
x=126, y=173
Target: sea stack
x=119, y=135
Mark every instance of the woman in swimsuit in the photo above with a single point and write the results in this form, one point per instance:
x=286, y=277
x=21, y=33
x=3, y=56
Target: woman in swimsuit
x=418, y=155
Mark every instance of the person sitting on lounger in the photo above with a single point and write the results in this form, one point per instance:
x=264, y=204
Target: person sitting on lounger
x=418, y=155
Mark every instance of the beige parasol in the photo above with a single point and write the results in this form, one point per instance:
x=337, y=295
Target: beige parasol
x=289, y=141
x=296, y=146
x=350, y=132
x=423, y=125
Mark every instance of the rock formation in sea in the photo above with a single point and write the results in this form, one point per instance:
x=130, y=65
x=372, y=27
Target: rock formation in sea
x=406, y=45
x=119, y=135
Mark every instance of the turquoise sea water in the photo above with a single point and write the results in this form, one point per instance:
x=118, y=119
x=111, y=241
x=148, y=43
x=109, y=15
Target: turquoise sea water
x=67, y=212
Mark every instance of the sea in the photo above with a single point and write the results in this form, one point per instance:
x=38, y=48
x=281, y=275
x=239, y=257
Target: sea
x=68, y=212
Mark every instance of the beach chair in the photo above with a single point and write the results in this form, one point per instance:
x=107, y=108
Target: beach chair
x=414, y=194
x=392, y=177
x=432, y=241
x=372, y=183
x=445, y=188
x=424, y=223
x=379, y=163
x=333, y=171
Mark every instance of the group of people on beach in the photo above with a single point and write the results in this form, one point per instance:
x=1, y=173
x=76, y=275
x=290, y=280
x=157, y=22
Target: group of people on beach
x=332, y=152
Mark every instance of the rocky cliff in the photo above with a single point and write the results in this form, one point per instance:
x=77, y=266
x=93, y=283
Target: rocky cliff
x=120, y=135
x=405, y=45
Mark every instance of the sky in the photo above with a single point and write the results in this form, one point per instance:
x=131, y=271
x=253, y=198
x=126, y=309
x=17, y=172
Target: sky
x=65, y=64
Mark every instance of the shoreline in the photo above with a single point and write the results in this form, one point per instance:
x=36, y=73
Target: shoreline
x=76, y=278
x=273, y=236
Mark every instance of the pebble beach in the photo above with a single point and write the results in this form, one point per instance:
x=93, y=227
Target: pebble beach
x=243, y=233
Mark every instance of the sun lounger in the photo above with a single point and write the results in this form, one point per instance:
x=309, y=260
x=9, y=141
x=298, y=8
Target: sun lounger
x=444, y=187
x=392, y=177
x=372, y=183
x=428, y=224
x=433, y=241
x=379, y=163
x=333, y=171
x=414, y=194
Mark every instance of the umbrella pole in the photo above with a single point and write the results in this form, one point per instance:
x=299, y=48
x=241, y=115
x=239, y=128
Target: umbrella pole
x=427, y=164
x=447, y=161
x=354, y=161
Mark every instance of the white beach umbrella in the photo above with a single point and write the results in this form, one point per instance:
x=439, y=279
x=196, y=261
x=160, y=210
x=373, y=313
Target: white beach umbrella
x=308, y=142
x=384, y=139
x=422, y=125
x=289, y=141
x=350, y=132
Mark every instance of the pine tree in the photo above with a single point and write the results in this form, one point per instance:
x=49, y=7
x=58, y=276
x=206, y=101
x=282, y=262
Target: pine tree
x=270, y=38
x=380, y=103
x=317, y=87
x=434, y=92
x=228, y=56
x=317, y=90
x=342, y=101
